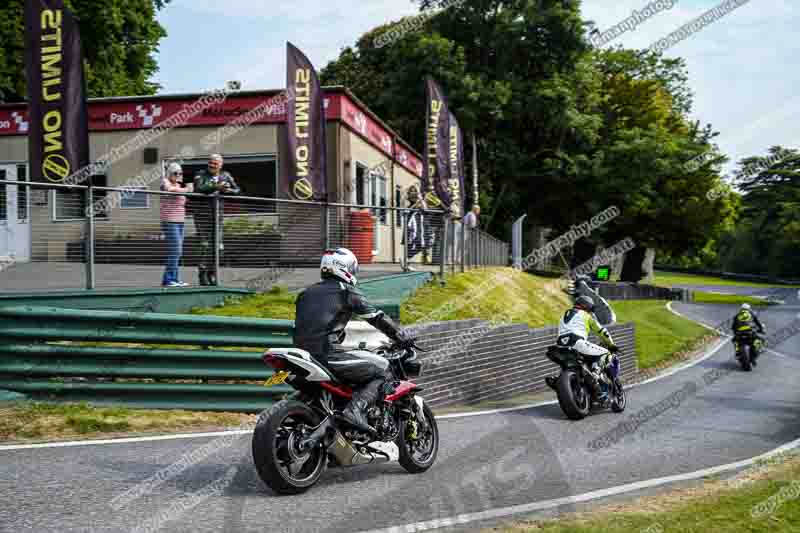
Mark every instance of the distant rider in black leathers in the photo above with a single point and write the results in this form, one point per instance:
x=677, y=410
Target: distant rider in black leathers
x=322, y=313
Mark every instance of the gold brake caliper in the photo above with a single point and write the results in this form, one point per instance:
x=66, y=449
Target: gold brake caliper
x=412, y=430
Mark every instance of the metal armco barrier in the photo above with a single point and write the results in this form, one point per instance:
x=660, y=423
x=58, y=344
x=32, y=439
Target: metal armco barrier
x=635, y=291
x=471, y=361
x=30, y=366
x=467, y=361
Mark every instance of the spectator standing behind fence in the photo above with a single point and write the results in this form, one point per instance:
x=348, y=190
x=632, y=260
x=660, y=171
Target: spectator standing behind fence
x=417, y=236
x=213, y=182
x=471, y=243
x=173, y=216
x=471, y=218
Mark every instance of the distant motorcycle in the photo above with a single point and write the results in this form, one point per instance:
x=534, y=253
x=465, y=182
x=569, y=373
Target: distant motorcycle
x=577, y=387
x=296, y=439
x=748, y=346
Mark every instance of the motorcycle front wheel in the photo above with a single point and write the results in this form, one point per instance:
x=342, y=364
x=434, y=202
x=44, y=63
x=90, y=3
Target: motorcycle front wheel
x=418, y=449
x=618, y=401
x=573, y=395
x=279, y=461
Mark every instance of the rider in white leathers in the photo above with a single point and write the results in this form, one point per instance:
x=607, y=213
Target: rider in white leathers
x=573, y=332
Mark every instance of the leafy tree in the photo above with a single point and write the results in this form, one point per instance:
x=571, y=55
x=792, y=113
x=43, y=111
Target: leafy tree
x=119, y=38
x=564, y=130
x=768, y=239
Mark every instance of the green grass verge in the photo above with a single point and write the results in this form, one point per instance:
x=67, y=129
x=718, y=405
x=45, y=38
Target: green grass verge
x=277, y=303
x=715, y=507
x=21, y=421
x=669, y=279
x=503, y=294
x=701, y=297
x=660, y=335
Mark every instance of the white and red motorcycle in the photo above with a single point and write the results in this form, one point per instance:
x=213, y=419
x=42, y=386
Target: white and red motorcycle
x=297, y=438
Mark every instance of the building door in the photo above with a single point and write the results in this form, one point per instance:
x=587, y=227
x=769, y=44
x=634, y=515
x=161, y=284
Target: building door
x=15, y=227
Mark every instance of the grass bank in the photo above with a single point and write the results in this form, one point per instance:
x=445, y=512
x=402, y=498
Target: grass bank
x=26, y=421
x=660, y=335
x=669, y=279
x=503, y=294
x=760, y=500
x=701, y=297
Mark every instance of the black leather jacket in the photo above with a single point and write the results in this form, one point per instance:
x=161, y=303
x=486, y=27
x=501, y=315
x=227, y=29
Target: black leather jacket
x=323, y=311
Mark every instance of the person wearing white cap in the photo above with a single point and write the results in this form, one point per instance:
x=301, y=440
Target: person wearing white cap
x=173, y=216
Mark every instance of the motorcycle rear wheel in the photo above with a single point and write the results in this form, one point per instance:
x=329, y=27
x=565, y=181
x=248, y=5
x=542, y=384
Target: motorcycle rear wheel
x=744, y=358
x=279, y=463
x=573, y=396
x=408, y=458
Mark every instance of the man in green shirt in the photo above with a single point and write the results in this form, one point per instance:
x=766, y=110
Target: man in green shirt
x=213, y=181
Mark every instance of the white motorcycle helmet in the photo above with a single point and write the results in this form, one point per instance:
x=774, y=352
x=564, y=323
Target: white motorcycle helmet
x=746, y=306
x=341, y=264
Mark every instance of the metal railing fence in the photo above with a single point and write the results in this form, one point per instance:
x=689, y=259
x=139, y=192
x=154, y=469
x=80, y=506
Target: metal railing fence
x=77, y=236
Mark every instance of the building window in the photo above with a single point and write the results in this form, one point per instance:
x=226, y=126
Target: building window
x=134, y=200
x=383, y=198
x=361, y=184
x=71, y=205
x=398, y=201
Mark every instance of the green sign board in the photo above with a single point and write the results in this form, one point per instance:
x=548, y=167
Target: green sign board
x=603, y=273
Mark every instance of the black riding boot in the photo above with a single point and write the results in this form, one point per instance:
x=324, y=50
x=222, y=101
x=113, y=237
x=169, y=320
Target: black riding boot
x=203, y=275
x=355, y=413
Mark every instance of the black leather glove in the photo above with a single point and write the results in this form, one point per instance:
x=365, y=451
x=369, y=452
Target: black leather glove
x=614, y=349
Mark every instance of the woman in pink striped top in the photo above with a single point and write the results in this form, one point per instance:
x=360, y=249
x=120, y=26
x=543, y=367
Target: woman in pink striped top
x=173, y=215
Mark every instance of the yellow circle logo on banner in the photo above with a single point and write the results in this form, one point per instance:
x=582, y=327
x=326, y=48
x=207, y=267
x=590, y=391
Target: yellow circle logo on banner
x=55, y=167
x=303, y=189
x=433, y=200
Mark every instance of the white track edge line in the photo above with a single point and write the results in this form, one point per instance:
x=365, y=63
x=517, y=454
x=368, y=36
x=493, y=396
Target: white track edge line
x=580, y=498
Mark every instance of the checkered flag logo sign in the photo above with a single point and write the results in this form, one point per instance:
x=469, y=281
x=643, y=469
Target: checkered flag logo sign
x=148, y=113
x=19, y=120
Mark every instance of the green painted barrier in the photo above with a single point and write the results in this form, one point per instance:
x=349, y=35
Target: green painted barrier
x=389, y=292
x=178, y=347
x=43, y=370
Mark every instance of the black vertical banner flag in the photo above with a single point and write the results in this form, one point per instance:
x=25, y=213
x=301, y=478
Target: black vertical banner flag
x=457, y=194
x=58, y=138
x=304, y=173
x=436, y=171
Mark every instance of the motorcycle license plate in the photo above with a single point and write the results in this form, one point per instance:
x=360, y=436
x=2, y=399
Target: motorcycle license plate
x=277, y=378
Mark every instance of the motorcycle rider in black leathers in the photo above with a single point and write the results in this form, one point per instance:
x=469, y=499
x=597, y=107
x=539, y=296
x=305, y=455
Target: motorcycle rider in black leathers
x=322, y=313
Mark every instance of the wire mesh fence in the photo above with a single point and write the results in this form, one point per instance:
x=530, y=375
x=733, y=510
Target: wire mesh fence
x=77, y=237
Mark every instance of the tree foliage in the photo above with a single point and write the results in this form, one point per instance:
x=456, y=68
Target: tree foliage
x=564, y=130
x=119, y=38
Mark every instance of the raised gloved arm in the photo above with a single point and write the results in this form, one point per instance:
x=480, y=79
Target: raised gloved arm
x=602, y=332
x=375, y=317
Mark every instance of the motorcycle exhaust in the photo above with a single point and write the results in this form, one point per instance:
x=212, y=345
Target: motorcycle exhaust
x=347, y=455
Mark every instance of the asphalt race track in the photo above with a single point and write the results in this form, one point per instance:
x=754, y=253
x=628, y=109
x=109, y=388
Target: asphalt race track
x=706, y=415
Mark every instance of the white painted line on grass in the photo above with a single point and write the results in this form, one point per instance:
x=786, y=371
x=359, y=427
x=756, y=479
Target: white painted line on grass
x=122, y=440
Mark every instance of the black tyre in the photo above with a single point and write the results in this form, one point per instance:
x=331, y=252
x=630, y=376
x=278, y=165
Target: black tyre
x=279, y=461
x=573, y=396
x=619, y=400
x=418, y=455
x=744, y=358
